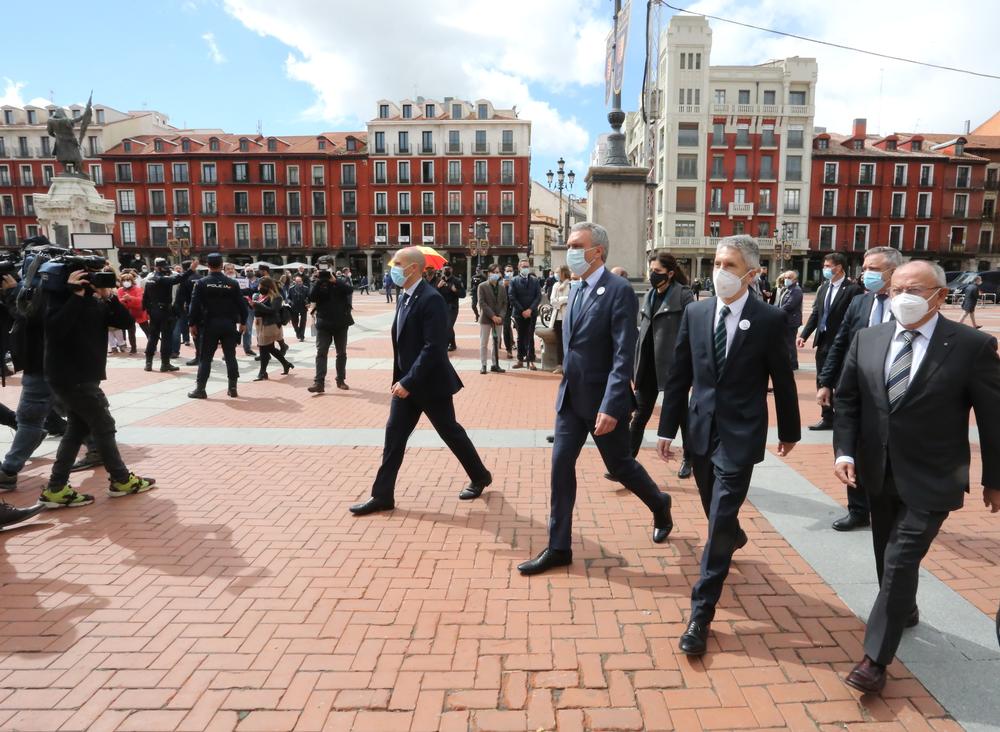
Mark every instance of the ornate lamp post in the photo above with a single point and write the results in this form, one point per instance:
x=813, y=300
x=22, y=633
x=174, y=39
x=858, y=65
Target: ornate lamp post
x=782, y=247
x=563, y=181
x=479, y=245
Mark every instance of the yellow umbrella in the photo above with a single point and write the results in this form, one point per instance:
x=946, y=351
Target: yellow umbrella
x=432, y=257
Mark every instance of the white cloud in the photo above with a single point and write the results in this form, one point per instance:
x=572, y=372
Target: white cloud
x=892, y=95
x=12, y=92
x=213, y=48
x=511, y=53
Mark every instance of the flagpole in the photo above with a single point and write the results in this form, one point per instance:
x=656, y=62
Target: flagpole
x=615, y=154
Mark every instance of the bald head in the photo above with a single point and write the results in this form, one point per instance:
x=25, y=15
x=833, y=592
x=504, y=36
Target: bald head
x=926, y=273
x=917, y=279
x=410, y=255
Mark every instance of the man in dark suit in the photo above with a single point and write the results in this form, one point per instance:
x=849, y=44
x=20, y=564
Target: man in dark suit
x=834, y=295
x=725, y=356
x=902, y=431
x=869, y=309
x=595, y=395
x=764, y=286
x=525, y=297
x=423, y=382
x=791, y=305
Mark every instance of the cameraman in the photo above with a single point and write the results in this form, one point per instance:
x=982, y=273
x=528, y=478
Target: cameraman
x=76, y=328
x=157, y=300
x=332, y=298
x=452, y=290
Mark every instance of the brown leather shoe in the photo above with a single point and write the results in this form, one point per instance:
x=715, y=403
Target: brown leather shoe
x=867, y=677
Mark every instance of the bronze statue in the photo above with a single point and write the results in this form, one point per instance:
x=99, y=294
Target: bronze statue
x=67, y=147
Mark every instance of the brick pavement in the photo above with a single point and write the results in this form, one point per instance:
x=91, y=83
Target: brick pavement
x=241, y=596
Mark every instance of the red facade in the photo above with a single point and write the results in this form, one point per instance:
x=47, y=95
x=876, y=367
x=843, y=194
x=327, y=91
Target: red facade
x=896, y=191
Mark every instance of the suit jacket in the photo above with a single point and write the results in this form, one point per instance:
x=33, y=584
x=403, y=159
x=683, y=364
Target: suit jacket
x=857, y=316
x=662, y=326
x=926, y=437
x=599, y=350
x=490, y=305
x=525, y=294
x=731, y=405
x=420, y=349
x=845, y=294
x=792, y=305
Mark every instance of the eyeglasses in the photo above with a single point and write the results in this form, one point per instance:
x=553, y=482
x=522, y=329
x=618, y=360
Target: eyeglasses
x=918, y=291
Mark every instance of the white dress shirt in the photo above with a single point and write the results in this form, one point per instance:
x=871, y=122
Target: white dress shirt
x=919, y=346
x=595, y=276
x=831, y=293
x=886, y=311
x=733, y=319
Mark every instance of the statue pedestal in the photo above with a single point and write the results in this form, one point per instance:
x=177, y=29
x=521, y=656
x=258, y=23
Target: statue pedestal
x=617, y=201
x=73, y=206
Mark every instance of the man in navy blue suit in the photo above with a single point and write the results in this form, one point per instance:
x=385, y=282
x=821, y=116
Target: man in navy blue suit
x=595, y=395
x=728, y=348
x=423, y=382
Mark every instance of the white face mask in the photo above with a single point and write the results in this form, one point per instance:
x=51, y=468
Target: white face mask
x=909, y=309
x=726, y=283
x=127, y=284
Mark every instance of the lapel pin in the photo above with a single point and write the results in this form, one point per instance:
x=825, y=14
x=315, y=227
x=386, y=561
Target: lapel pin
x=600, y=290
x=744, y=324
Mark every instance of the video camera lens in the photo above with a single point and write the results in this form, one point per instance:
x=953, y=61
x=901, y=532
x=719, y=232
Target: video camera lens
x=102, y=280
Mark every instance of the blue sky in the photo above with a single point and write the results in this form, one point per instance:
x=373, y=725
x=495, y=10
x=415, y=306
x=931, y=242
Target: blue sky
x=304, y=66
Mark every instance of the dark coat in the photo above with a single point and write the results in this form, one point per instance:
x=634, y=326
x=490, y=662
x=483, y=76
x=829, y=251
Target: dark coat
x=732, y=405
x=490, y=306
x=791, y=305
x=217, y=298
x=76, y=337
x=599, y=350
x=525, y=294
x=662, y=326
x=859, y=312
x=926, y=437
x=420, y=349
x=333, y=303
x=845, y=294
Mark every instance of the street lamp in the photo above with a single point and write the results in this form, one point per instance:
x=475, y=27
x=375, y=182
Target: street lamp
x=479, y=246
x=782, y=247
x=564, y=181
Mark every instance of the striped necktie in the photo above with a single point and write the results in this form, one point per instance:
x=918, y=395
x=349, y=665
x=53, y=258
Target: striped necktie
x=899, y=371
x=720, y=339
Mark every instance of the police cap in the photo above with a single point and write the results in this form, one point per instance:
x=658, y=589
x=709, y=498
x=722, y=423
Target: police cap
x=214, y=259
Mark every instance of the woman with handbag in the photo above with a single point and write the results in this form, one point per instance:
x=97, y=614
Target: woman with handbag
x=269, y=310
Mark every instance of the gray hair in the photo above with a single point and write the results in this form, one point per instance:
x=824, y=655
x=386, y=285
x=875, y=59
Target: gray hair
x=746, y=245
x=892, y=256
x=598, y=234
x=939, y=276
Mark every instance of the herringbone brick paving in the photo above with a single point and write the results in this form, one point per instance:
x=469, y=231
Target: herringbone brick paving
x=241, y=595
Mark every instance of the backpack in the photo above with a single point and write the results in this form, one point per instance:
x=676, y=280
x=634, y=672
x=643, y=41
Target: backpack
x=284, y=314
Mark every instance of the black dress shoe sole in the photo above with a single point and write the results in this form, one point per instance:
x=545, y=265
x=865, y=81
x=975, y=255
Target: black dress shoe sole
x=366, y=511
x=842, y=525
x=825, y=426
x=469, y=495
x=528, y=571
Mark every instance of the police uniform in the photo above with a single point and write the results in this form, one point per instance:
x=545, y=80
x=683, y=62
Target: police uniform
x=157, y=300
x=217, y=307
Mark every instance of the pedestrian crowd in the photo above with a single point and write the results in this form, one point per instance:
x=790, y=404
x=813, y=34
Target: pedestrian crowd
x=895, y=382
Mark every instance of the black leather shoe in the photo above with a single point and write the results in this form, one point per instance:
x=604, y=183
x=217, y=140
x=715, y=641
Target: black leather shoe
x=198, y=393
x=164, y=368
x=87, y=461
x=317, y=388
x=482, y=370
x=663, y=523
x=192, y=362
x=685, y=471
x=914, y=619
x=550, y=439
x=497, y=370
x=548, y=559
x=372, y=505
x=609, y=476
x=10, y=515
x=694, y=642
x=261, y=377
x=823, y=424
x=741, y=540
x=231, y=391
x=474, y=490
x=851, y=521
x=867, y=677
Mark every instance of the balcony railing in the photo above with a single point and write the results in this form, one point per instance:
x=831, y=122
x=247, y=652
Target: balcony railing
x=209, y=180
x=349, y=182
x=507, y=209
x=318, y=180
x=209, y=211
x=428, y=149
x=481, y=180
x=992, y=185
x=506, y=180
x=507, y=148
x=454, y=148
x=866, y=180
x=481, y=148
x=402, y=149
x=897, y=214
x=741, y=209
x=454, y=180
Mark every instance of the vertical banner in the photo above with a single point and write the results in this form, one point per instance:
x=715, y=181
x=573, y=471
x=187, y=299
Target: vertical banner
x=609, y=67
x=620, y=43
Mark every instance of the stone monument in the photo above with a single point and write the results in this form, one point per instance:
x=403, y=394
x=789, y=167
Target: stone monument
x=72, y=205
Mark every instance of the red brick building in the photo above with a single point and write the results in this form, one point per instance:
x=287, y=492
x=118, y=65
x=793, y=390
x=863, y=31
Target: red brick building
x=904, y=191
x=272, y=198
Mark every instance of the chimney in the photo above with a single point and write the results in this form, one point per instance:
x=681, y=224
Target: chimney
x=968, y=124
x=860, y=128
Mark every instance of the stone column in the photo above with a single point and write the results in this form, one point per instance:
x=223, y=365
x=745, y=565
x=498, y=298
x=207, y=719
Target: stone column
x=617, y=201
x=73, y=206
x=368, y=258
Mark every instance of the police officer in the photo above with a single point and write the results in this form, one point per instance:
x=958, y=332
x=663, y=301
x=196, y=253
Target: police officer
x=218, y=315
x=157, y=300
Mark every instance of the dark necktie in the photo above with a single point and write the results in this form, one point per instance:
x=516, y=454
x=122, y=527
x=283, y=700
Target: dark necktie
x=720, y=339
x=577, y=300
x=401, y=312
x=826, y=308
x=879, y=311
x=899, y=371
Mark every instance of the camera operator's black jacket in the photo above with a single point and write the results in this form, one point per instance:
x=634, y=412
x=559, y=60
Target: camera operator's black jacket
x=76, y=337
x=333, y=303
x=27, y=336
x=451, y=298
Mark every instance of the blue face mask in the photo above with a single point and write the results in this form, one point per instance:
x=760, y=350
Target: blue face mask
x=872, y=281
x=398, y=275
x=525, y=271
x=827, y=273
x=576, y=260
x=494, y=276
